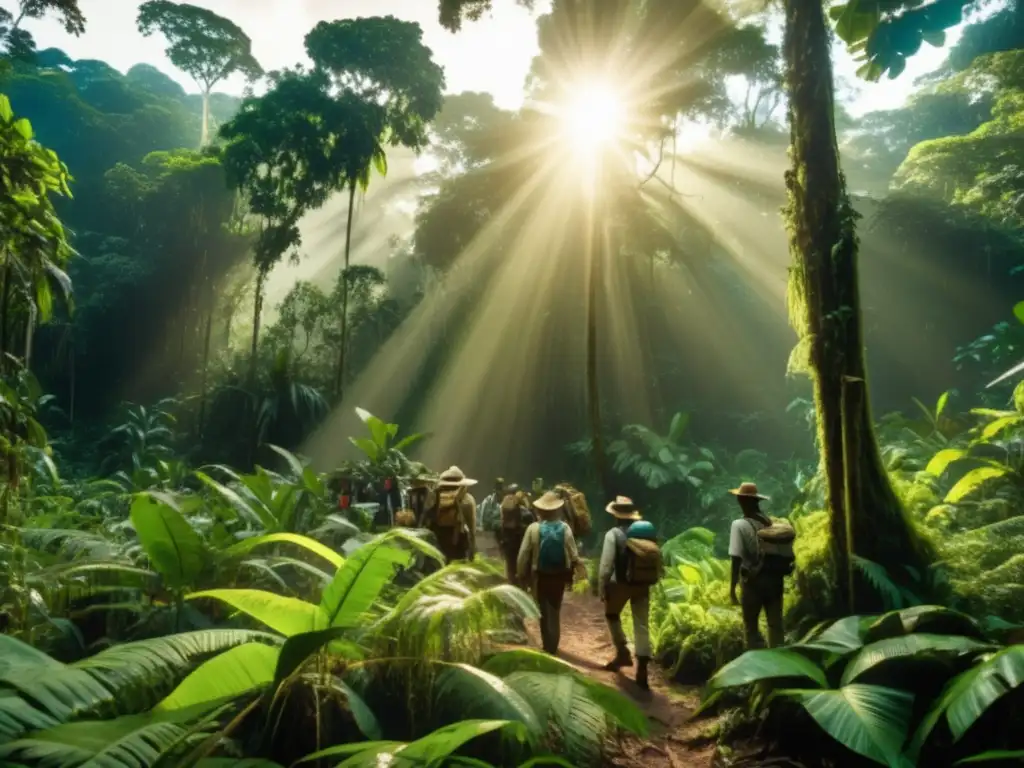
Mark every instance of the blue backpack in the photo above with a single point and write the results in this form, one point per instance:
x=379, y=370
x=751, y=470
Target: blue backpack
x=551, y=555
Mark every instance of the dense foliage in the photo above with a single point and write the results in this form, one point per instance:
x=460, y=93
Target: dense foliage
x=182, y=586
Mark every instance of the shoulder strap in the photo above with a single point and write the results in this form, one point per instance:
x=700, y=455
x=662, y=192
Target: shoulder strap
x=757, y=539
x=621, y=539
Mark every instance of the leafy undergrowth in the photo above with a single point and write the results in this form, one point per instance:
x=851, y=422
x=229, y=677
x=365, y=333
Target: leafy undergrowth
x=961, y=480
x=921, y=686
x=273, y=646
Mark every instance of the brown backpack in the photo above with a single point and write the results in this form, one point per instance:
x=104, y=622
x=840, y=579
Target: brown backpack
x=512, y=512
x=577, y=513
x=643, y=562
x=449, y=511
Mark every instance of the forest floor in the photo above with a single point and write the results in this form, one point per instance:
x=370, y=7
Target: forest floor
x=675, y=741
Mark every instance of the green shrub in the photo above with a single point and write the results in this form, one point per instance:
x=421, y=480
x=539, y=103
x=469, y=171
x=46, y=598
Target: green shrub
x=921, y=686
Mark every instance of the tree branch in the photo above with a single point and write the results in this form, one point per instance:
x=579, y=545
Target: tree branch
x=657, y=165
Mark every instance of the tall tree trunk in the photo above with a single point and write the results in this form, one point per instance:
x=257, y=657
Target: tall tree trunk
x=229, y=318
x=71, y=383
x=675, y=142
x=204, y=137
x=5, y=311
x=257, y=312
x=204, y=378
x=594, y=285
x=204, y=317
x=867, y=519
x=30, y=329
x=339, y=381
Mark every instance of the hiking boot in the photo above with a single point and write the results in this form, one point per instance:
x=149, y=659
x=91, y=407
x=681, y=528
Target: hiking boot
x=622, y=659
x=641, y=672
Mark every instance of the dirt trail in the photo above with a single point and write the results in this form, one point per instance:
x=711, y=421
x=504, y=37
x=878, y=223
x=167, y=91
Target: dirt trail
x=586, y=645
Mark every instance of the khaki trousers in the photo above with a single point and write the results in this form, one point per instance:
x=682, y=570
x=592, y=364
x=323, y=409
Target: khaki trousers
x=639, y=600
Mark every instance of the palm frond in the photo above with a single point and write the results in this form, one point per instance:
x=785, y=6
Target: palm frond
x=123, y=678
x=461, y=690
x=452, y=618
x=571, y=716
x=142, y=672
x=357, y=585
x=126, y=742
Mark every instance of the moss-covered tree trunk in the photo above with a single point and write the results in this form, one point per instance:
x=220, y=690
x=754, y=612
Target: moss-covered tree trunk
x=867, y=518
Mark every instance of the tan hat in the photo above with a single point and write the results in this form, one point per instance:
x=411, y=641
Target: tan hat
x=549, y=502
x=453, y=477
x=623, y=508
x=748, y=491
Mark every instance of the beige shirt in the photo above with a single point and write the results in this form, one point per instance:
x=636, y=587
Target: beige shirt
x=529, y=551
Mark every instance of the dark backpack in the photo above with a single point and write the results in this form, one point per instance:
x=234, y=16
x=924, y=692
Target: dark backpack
x=551, y=552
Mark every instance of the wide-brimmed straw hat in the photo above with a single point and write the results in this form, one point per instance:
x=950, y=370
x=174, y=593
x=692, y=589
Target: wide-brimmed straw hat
x=748, y=491
x=453, y=477
x=549, y=502
x=623, y=508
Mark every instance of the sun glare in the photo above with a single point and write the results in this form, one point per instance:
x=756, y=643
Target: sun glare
x=593, y=117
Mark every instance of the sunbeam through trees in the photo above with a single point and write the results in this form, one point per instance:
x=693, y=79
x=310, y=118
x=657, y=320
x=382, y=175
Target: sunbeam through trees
x=507, y=383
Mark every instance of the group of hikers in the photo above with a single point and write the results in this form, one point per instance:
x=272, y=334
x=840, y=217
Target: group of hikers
x=538, y=533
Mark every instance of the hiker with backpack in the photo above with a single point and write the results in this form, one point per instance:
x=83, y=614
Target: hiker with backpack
x=487, y=510
x=452, y=518
x=547, y=558
x=630, y=565
x=575, y=511
x=515, y=516
x=762, y=556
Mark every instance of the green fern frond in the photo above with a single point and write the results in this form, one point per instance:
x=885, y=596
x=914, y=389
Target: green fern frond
x=123, y=678
x=455, y=626
x=892, y=594
x=71, y=543
x=619, y=707
x=461, y=689
x=572, y=718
